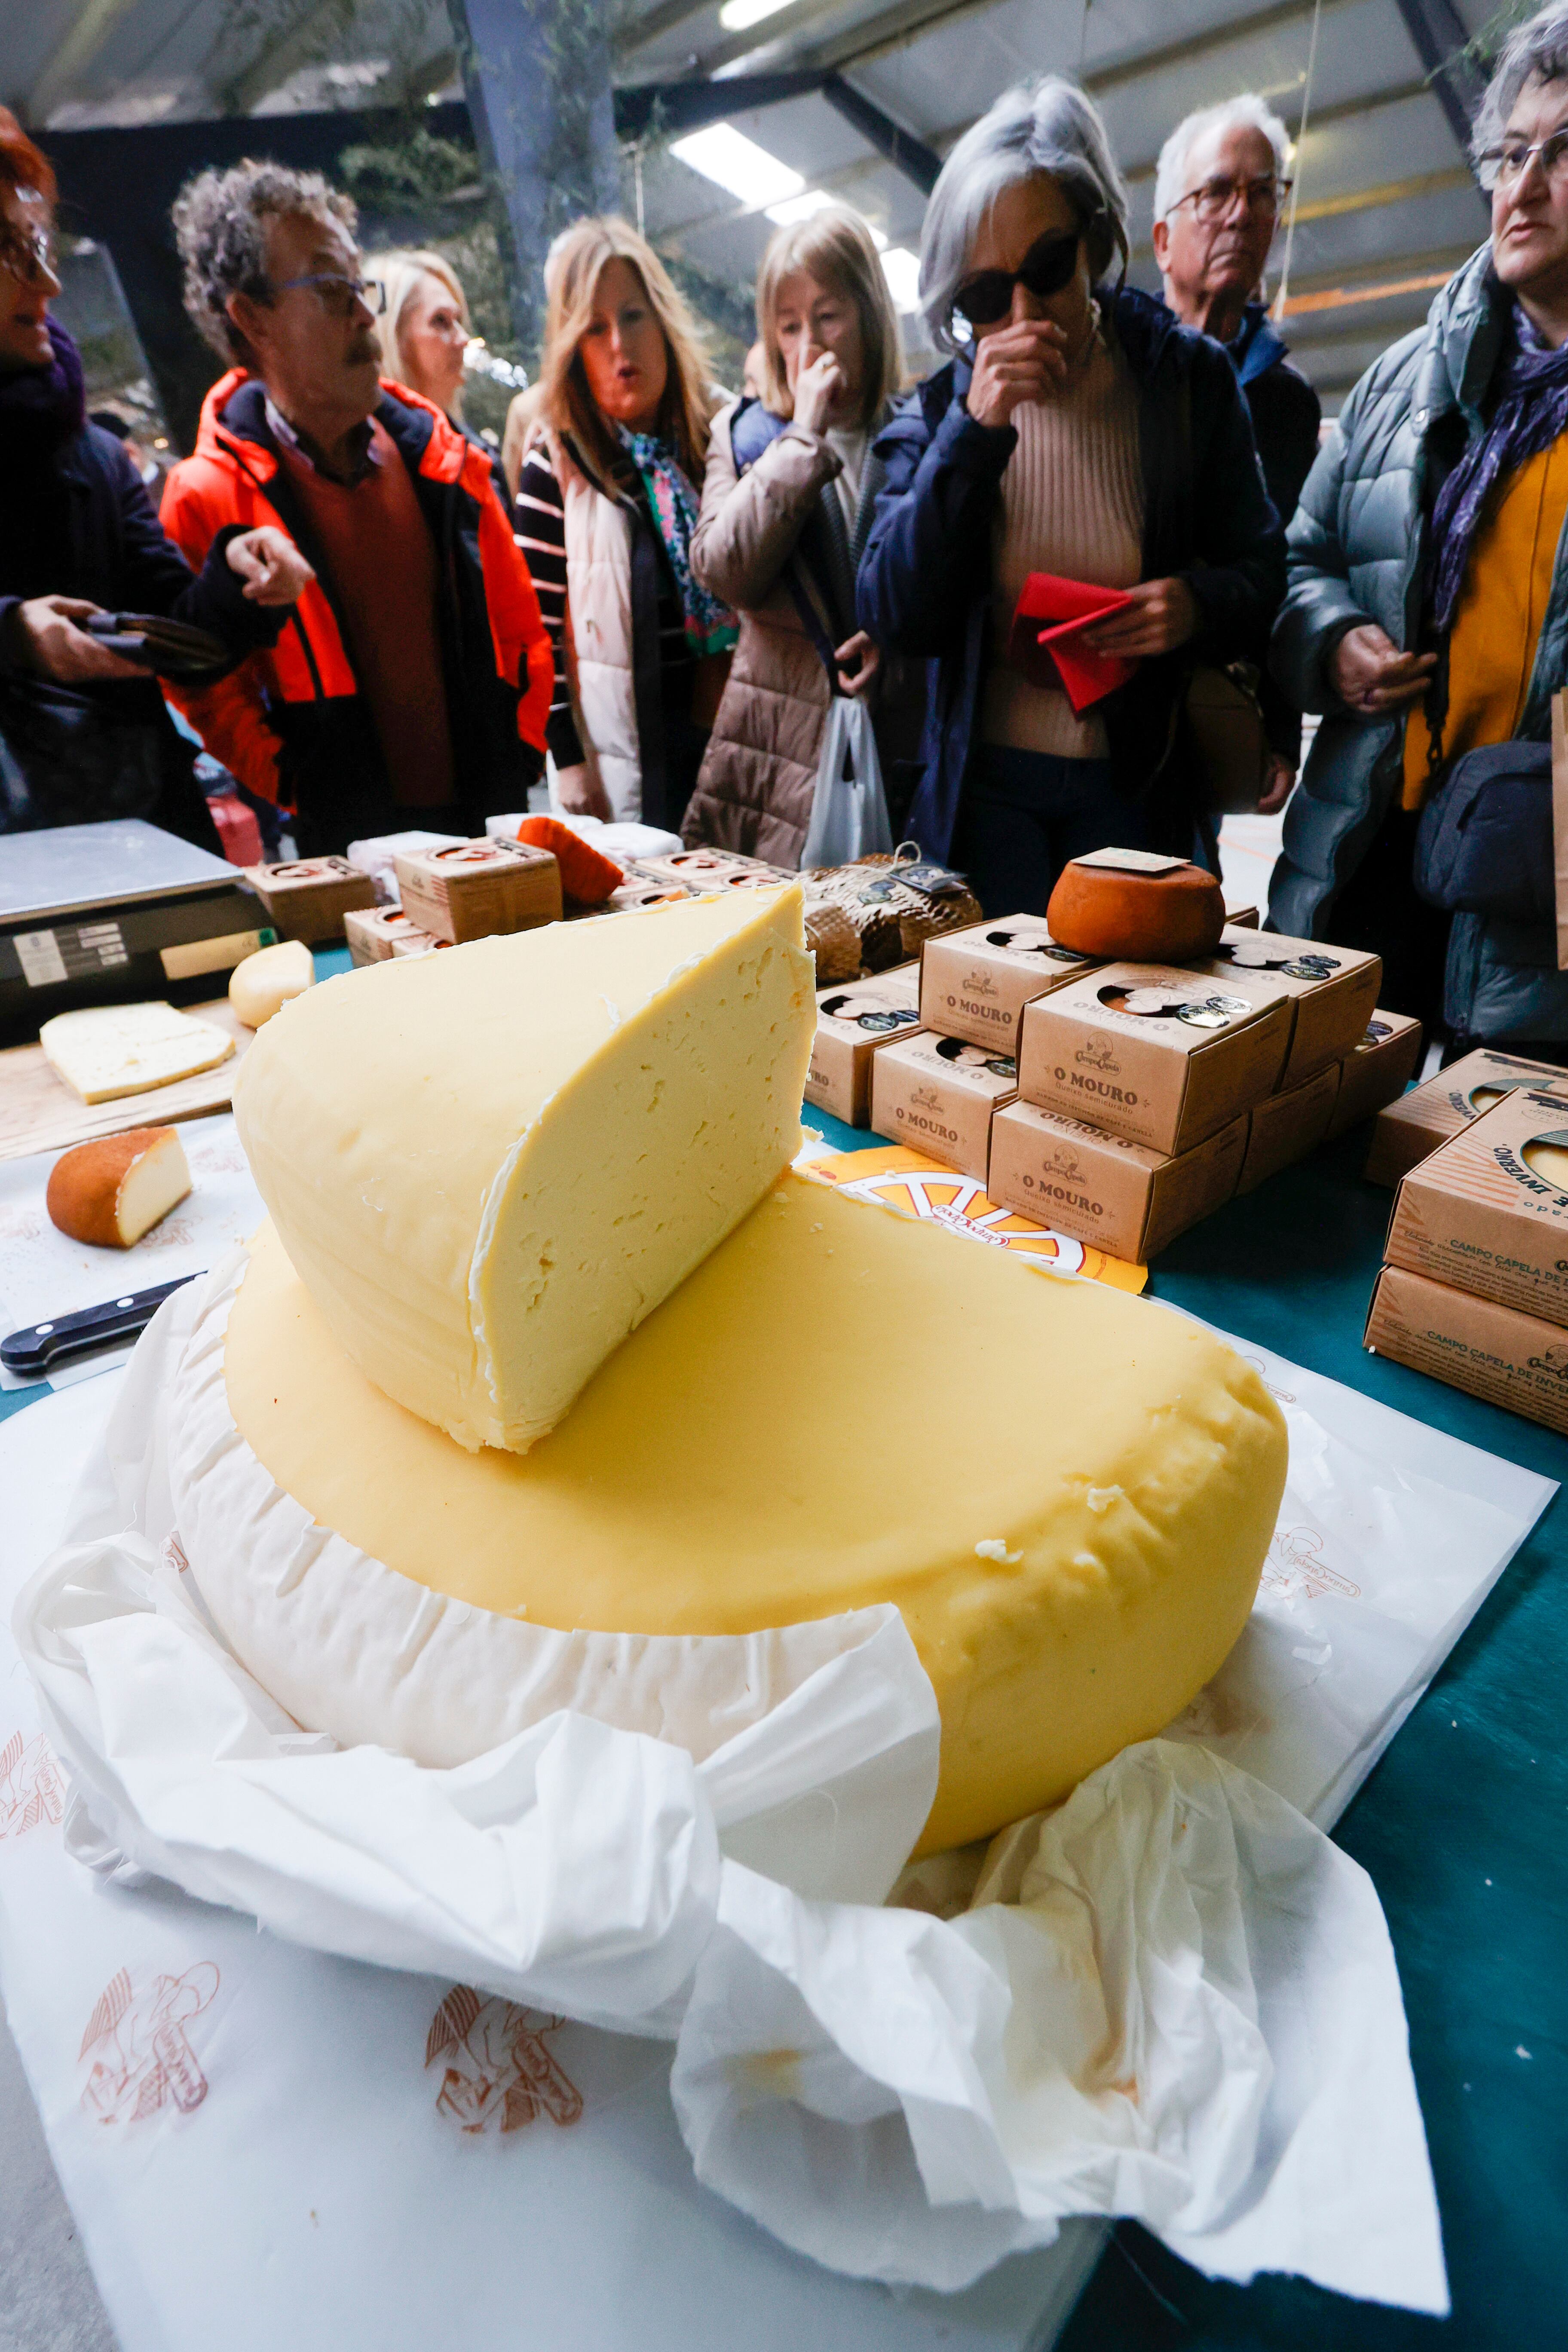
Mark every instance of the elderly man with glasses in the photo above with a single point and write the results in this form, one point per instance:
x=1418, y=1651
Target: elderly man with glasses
x=414, y=689
x=1219, y=188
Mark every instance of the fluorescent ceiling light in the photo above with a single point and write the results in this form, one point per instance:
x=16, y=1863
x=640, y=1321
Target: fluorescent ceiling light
x=733, y=161
x=739, y=16
x=901, y=270
x=816, y=200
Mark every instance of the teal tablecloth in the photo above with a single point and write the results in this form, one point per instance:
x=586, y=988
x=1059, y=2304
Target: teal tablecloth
x=1463, y=1827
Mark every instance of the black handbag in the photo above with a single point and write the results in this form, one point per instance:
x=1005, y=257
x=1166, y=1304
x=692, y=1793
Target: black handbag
x=1484, y=843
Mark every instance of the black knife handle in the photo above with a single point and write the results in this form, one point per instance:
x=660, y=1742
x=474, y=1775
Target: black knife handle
x=32, y=1354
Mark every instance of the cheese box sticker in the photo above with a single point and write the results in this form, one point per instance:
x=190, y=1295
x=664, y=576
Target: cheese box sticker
x=976, y=982
x=912, y=1185
x=1333, y=991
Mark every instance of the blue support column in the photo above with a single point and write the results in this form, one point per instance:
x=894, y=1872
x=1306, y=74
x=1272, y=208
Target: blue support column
x=537, y=76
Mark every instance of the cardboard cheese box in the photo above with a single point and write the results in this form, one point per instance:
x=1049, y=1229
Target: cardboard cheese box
x=937, y=1094
x=1332, y=991
x=1161, y=1054
x=1419, y=1121
x=1378, y=1070
x=376, y=934
x=642, y=887
x=1288, y=1126
x=308, y=898
x=476, y=889
x=974, y=983
x=1122, y=1197
x=1496, y=1352
x=854, y=1023
x=1487, y=1210
x=701, y=870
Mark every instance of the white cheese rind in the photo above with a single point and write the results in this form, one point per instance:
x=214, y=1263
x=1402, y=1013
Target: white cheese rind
x=271, y=978
x=487, y=1177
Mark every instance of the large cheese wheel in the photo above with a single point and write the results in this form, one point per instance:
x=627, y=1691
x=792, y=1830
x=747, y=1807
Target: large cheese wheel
x=1066, y=1492
x=1172, y=917
x=489, y=1165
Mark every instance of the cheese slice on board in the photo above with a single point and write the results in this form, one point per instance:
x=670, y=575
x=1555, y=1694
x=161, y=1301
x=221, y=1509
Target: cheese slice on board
x=105, y=1051
x=488, y=1166
x=1069, y=1493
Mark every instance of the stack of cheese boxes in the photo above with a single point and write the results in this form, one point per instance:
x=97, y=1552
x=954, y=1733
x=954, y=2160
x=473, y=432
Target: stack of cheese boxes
x=1119, y=1102
x=1475, y=1287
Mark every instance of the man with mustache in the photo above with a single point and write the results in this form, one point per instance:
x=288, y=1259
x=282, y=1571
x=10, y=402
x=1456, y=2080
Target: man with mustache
x=414, y=686
x=1219, y=187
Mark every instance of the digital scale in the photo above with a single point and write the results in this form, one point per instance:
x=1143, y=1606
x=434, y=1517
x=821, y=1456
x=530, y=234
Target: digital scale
x=115, y=913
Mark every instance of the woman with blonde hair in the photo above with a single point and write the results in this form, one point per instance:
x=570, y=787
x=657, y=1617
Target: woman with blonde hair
x=424, y=325
x=786, y=509
x=606, y=511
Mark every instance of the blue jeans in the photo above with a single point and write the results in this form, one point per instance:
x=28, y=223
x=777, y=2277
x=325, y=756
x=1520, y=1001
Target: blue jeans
x=1025, y=814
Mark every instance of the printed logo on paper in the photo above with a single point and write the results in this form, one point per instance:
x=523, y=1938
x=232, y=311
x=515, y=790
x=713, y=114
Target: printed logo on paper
x=32, y=1793
x=1296, y=1567
x=499, y=2074
x=959, y=1204
x=137, y=2039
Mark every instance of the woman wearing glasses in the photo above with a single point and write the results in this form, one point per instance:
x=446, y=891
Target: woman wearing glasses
x=1427, y=612
x=1077, y=430
x=85, y=733
x=412, y=689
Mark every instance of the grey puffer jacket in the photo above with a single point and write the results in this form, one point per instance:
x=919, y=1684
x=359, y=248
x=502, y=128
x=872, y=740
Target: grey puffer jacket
x=1357, y=551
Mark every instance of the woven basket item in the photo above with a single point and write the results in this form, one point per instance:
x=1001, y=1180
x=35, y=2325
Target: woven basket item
x=891, y=919
x=834, y=941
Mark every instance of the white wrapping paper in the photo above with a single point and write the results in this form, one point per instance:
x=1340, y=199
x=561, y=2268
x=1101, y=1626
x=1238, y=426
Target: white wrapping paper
x=1173, y=1999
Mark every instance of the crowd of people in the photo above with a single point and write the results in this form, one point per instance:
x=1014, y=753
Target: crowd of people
x=655, y=593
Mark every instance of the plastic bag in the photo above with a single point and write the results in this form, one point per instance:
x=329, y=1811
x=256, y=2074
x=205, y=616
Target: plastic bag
x=850, y=813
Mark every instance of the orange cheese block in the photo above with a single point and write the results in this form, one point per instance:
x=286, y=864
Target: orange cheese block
x=112, y=1191
x=1146, y=909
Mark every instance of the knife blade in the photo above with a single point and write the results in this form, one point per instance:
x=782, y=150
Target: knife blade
x=33, y=1352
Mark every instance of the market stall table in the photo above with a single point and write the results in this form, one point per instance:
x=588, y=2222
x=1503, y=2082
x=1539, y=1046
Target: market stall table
x=1460, y=1827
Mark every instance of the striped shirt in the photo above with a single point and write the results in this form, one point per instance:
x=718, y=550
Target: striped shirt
x=541, y=532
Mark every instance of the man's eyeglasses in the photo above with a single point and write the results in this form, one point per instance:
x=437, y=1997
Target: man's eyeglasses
x=1212, y=199
x=25, y=255
x=1512, y=160
x=1045, y=269
x=337, y=295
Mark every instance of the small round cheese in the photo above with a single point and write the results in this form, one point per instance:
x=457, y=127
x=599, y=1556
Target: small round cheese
x=270, y=979
x=1066, y=1492
x=112, y=1191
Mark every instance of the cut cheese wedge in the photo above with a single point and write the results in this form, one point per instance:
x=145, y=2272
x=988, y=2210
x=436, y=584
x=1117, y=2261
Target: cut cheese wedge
x=109, y=1050
x=488, y=1166
x=1066, y=1492
x=270, y=979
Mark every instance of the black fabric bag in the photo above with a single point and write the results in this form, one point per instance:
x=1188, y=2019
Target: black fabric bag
x=1484, y=843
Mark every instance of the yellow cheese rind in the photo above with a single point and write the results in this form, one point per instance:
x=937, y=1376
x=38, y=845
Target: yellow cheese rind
x=488, y=1166
x=835, y=1409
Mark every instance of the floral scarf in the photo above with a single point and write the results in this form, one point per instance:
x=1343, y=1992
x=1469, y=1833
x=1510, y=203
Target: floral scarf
x=710, y=626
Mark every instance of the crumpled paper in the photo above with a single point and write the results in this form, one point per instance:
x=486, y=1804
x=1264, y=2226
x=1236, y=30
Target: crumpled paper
x=1171, y=1998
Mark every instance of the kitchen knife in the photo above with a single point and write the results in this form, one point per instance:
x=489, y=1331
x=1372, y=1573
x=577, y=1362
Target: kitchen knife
x=35, y=1351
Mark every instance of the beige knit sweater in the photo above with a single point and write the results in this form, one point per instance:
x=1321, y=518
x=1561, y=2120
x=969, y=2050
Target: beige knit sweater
x=1071, y=503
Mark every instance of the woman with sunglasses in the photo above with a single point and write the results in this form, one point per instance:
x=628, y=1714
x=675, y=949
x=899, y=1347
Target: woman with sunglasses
x=1077, y=430
x=85, y=733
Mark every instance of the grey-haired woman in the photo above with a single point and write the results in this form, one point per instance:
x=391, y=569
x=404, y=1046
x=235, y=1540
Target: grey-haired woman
x=1077, y=430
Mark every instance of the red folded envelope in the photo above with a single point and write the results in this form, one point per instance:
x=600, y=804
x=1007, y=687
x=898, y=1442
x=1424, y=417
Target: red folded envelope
x=1044, y=645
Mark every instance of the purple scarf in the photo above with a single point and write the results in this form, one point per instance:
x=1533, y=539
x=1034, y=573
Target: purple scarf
x=1530, y=409
x=46, y=405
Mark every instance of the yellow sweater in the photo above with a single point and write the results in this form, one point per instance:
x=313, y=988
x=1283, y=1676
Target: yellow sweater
x=1497, y=626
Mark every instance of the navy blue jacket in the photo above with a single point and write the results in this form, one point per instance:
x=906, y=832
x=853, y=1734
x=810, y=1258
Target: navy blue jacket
x=75, y=521
x=924, y=582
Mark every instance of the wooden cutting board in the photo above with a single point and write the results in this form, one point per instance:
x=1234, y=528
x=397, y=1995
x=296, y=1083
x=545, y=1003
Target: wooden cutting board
x=38, y=1112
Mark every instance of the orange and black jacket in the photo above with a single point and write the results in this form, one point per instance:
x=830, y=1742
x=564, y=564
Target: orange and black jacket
x=290, y=722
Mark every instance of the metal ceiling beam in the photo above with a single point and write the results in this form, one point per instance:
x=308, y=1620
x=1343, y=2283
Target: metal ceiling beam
x=1172, y=54
x=682, y=106
x=283, y=54
x=900, y=148
x=643, y=31
x=1440, y=40
x=1446, y=258
x=90, y=28
x=1370, y=200
x=1344, y=110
